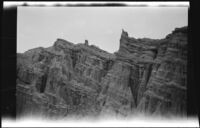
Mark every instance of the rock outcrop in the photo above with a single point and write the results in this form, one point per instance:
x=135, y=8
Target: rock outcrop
x=144, y=75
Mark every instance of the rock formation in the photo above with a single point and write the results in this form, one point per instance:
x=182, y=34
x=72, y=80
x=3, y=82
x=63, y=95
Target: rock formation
x=144, y=75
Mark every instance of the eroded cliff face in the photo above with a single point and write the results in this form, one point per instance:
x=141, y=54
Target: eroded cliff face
x=144, y=75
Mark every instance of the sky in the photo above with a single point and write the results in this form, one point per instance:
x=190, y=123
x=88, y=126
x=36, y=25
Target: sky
x=101, y=26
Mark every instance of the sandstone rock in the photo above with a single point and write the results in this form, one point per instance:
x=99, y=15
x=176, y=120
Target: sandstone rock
x=86, y=42
x=145, y=75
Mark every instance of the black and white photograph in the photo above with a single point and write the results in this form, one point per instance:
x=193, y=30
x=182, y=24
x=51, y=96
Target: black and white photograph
x=123, y=64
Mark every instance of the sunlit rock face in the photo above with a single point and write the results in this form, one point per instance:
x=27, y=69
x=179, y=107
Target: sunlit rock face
x=144, y=75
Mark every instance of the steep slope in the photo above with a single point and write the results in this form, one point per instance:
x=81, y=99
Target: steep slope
x=145, y=75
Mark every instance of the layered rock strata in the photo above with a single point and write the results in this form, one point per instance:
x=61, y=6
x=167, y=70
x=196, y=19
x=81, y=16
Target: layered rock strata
x=144, y=75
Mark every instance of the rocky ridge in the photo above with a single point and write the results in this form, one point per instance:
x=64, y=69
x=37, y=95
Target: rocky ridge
x=144, y=75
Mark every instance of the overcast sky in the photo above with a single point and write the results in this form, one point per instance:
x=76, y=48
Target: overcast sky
x=101, y=26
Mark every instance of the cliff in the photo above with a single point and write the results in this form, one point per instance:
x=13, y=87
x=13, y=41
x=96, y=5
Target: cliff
x=144, y=75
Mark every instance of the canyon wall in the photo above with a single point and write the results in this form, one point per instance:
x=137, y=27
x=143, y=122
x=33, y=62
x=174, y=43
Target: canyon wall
x=144, y=75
